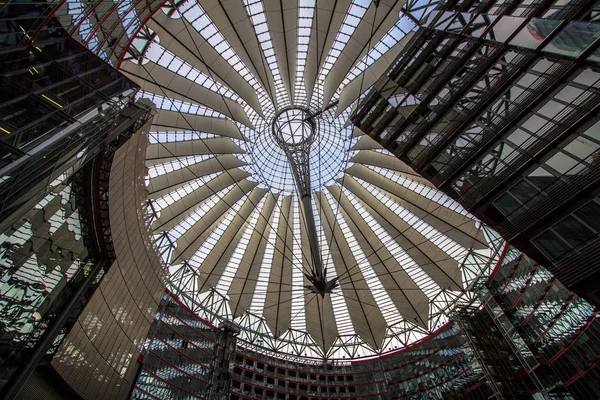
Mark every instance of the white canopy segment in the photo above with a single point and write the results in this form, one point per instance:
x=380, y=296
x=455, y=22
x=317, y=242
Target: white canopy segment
x=235, y=82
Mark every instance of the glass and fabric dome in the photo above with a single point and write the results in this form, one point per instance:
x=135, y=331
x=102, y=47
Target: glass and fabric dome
x=251, y=135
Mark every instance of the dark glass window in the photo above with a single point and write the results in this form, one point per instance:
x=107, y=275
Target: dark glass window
x=573, y=231
x=551, y=244
x=541, y=178
x=590, y=214
x=507, y=204
x=524, y=191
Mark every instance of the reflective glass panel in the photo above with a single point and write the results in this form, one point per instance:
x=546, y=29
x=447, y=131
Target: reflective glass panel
x=574, y=39
x=534, y=33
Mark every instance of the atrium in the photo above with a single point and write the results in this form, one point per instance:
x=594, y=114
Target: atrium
x=303, y=199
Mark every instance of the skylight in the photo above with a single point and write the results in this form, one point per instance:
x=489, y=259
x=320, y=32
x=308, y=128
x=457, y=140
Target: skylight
x=226, y=209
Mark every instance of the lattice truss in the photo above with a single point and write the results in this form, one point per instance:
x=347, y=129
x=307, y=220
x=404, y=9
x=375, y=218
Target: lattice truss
x=225, y=210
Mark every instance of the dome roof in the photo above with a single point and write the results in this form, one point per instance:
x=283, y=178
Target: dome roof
x=239, y=83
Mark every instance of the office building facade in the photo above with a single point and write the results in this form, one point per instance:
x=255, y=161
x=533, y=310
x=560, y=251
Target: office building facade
x=65, y=115
x=497, y=104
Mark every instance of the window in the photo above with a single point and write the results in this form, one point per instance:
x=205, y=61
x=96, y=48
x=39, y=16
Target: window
x=507, y=204
x=521, y=193
x=551, y=244
x=524, y=191
x=582, y=147
x=590, y=213
x=561, y=163
x=541, y=178
x=572, y=231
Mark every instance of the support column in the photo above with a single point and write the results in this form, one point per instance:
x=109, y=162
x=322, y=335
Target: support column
x=219, y=387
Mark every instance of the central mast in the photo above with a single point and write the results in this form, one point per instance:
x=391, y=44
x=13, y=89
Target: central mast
x=294, y=131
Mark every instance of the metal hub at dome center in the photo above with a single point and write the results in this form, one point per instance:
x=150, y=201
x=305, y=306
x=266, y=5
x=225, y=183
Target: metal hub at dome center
x=294, y=127
x=297, y=127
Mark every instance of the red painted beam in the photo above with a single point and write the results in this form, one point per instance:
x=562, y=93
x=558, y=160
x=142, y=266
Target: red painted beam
x=426, y=339
x=180, y=353
x=146, y=393
x=539, y=302
x=205, y=322
x=470, y=389
x=432, y=387
x=299, y=393
x=439, y=366
x=512, y=275
x=112, y=10
x=556, y=317
x=531, y=275
x=583, y=372
x=186, y=324
x=179, y=369
x=454, y=339
x=33, y=36
x=574, y=339
x=134, y=35
x=304, y=382
x=179, y=335
x=500, y=261
x=86, y=16
x=170, y=384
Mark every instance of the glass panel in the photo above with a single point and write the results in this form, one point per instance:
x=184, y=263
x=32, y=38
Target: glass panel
x=524, y=191
x=581, y=147
x=574, y=38
x=588, y=77
x=569, y=94
x=527, y=79
x=551, y=109
x=543, y=65
x=534, y=33
x=556, y=10
x=593, y=131
x=541, y=178
x=534, y=123
x=480, y=24
x=444, y=20
x=561, y=162
x=549, y=243
x=507, y=204
x=505, y=28
x=573, y=231
x=590, y=213
x=595, y=56
x=518, y=137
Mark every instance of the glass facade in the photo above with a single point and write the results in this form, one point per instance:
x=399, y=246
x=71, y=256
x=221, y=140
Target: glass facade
x=179, y=354
x=97, y=358
x=63, y=114
x=556, y=328
x=497, y=105
x=58, y=101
